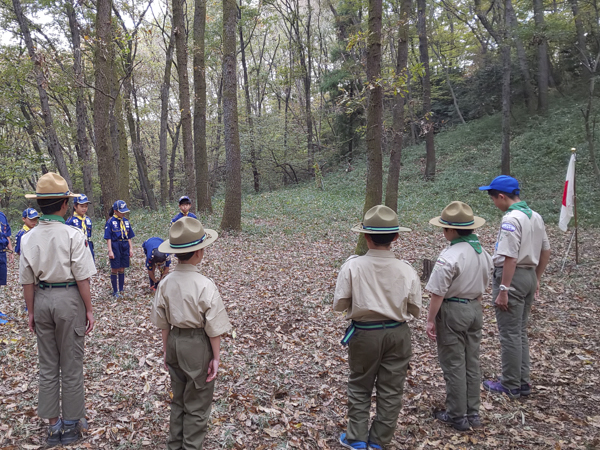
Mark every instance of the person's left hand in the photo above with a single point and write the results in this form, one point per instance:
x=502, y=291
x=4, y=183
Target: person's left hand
x=213, y=368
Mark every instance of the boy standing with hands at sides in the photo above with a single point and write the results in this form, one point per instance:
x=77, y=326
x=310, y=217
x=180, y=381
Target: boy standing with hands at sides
x=460, y=277
x=189, y=310
x=30, y=220
x=118, y=234
x=379, y=294
x=520, y=258
x=80, y=220
x=185, y=204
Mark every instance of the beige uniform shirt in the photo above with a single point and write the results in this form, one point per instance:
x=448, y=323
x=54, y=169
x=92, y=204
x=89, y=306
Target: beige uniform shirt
x=376, y=287
x=187, y=299
x=461, y=272
x=522, y=238
x=55, y=253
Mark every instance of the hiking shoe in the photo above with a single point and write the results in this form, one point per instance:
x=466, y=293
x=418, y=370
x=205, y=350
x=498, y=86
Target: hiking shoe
x=355, y=444
x=374, y=446
x=115, y=295
x=54, y=434
x=474, y=421
x=525, y=388
x=72, y=433
x=460, y=424
x=496, y=386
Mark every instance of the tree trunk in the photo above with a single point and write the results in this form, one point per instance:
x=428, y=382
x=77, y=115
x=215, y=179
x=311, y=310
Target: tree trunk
x=164, y=120
x=174, y=140
x=427, y=119
x=184, y=100
x=122, y=153
x=581, y=47
x=54, y=147
x=107, y=172
x=542, y=51
x=374, y=192
x=232, y=210
x=589, y=127
x=505, y=158
x=391, y=190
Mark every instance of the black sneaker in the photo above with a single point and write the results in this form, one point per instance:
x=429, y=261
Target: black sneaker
x=525, y=388
x=474, y=421
x=461, y=424
x=54, y=434
x=72, y=433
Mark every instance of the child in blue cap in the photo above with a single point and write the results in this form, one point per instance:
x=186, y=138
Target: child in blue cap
x=5, y=246
x=80, y=220
x=30, y=220
x=185, y=205
x=155, y=259
x=118, y=234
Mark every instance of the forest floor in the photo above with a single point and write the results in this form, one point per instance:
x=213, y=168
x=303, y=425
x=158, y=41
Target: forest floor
x=282, y=380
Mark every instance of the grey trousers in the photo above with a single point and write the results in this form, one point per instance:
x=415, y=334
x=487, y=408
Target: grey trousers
x=458, y=327
x=512, y=326
x=188, y=355
x=60, y=324
x=377, y=358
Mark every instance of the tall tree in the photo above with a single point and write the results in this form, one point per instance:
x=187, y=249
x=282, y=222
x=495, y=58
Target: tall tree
x=427, y=113
x=164, y=119
x=232, y=210
x=542, y=53
x=505, y=50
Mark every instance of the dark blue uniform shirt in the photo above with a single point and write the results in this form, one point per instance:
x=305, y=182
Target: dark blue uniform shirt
x=5, y=231
x=77, y=223
x=180, y=215
x=148, y=246
x=113, y=231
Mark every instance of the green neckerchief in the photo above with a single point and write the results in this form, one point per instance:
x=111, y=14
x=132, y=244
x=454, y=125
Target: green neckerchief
x=471, y=239
x=52, y=218
x=521, y=206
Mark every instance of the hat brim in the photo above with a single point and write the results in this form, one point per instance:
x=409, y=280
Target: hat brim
x=211, y=236
x=485, y=188
x=477, y=222
x=123, y=212
x=358, y=228
x=43, y=196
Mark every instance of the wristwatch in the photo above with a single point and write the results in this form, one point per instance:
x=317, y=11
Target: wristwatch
x=504, y=288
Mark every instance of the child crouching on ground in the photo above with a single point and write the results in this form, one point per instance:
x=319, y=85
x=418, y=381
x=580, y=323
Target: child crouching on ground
x=189, y=310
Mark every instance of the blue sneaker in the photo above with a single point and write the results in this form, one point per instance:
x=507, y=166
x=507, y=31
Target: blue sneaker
x=357, y=444
x=374, y=446
x=496, y=386
x=115, y=295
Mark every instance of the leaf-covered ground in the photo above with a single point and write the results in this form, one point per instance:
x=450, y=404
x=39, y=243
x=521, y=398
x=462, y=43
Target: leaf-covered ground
x=282, y=381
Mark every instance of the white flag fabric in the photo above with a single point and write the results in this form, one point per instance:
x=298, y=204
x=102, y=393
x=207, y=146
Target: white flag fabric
x=568, y=200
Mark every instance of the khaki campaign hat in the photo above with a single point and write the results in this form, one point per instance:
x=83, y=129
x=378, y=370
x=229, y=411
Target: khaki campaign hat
x=51, y=185
x=459, y=216
x=187, y=235
x=379, y=220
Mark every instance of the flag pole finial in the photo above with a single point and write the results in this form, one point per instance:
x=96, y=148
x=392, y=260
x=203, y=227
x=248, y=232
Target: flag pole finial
x=573, y=150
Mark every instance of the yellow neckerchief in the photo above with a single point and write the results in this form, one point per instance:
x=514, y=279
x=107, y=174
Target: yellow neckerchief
x=122, y=226
x=26, y=228
x=185, y=214
x=82, y=218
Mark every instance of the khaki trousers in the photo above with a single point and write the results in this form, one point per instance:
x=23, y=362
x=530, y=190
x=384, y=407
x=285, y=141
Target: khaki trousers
x=458, y=327
x=512, y=326
x=188, y=355
x=377, y=358
x=60, y=324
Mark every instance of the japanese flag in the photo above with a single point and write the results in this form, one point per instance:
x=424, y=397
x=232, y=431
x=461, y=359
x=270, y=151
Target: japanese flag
x=566, y=211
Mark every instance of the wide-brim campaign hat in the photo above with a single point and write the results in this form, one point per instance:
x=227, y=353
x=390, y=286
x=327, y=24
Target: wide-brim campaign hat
x=187, y=235
x=459, y=216
x=51, y=185
x=379, y=220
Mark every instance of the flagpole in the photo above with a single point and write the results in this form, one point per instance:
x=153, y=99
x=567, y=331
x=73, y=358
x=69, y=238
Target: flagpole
x=573, y=151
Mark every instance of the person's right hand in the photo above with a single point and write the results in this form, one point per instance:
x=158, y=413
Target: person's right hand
x=213, y=368
x=431, y=330
x=90, y=322
x=31, y=323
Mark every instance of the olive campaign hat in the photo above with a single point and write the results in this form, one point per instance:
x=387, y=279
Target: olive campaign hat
x=379, y=220
x=187, y=235
x=51, y=185
x=458, y=215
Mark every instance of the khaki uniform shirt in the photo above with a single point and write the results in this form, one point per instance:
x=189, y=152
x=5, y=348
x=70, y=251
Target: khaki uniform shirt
x=461, y=272
x=522, y=238
x=55, y=253
x=376, y=287
x=187, y=299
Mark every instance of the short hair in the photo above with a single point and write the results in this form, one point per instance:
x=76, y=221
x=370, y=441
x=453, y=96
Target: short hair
x=494, y=193
x=51, y=205
x=185, y=201
x=462, y=232
x=184, y=256
x=383, y=239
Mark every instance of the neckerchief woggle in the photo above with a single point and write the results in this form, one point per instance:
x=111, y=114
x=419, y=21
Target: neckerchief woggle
x=122, y=227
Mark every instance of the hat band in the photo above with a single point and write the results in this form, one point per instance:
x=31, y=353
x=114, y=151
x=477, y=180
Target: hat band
x=53, y=194
x=190, y=244
x=389, y=229
x=457, y=224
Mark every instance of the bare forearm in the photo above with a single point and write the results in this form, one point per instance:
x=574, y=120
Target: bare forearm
x=28, y=293
x=544, y=258
x=508, y=270
x=151, y=275
x=109, y=243
x=434, y=307
x=215, y=343
x=86, y=294
x=165, y=337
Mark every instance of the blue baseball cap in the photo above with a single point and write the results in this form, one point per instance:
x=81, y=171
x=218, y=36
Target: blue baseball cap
x=120, y=206
x=81, y=199
x=185, y=198
x=503, y=183
x=30, y=213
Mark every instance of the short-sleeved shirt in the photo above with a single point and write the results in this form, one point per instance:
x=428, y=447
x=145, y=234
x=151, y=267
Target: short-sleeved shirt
x=78, y=221
x=18, y=237
x=461, y=272
x=377, y=286
x=180, y=215
x=55, y=253
x=5, y=231
x=187, y=299
x=149, y=245
x=522, y=238
x=114, y=232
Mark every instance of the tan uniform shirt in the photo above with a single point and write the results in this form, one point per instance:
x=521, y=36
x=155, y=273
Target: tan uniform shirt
x=55, y=253
x=522, y=238
x=377, y=286
x=187, y=299
x=461, y=272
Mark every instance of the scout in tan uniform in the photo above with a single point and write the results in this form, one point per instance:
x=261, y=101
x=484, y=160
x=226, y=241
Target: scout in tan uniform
x=379, y=294
x=520, y=258
x=459, y=279
x=55, y=270
x=188, y=309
